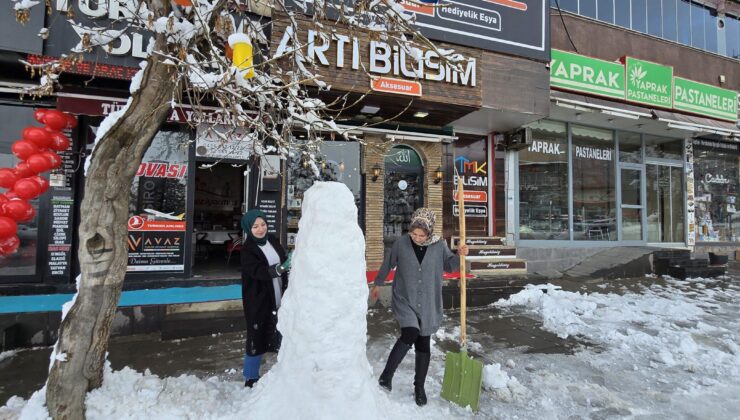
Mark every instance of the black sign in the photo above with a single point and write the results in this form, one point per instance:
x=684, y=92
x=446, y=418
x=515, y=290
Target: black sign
x=269, y=203
x=717, y=146
x=18, y=37
x=516, y=27
x=60, y=235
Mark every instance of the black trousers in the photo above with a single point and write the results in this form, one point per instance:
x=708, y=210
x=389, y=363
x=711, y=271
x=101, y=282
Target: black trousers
x=410, y=336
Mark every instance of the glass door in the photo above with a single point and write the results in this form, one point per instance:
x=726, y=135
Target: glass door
x=631, y=206
x=665, y=203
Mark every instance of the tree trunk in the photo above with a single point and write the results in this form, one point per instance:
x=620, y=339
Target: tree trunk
x=103, y=254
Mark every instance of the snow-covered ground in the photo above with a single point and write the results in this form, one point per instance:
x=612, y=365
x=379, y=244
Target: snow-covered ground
x=666, y=350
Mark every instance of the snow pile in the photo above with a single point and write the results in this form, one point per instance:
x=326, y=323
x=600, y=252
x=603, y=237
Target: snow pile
x=658, y=324
x=322, y=370
x=502, y=385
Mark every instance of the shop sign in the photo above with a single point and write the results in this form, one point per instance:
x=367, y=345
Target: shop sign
x=473, y=172
x=473, y=196
x=649, y=83
x=405, y=157
x=471, y=211
x=124, y=53
x=510, y=26
x=707, y=144
x=545, y=147
x=584, y=74
x=398, y=86
x=715, y=179
x=586, y=152
x=700, y=98
x=339, y=50
x=155, y=245
x=223, y=142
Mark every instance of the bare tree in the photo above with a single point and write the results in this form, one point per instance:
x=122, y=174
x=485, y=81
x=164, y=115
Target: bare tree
x=188, y=63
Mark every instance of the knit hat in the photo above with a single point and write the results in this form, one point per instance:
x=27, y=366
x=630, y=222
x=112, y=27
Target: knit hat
x=248, y=221
x=424, y=219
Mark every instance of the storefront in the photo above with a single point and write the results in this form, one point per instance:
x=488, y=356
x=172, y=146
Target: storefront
x=581, y=183
x=612, y=166
x=716, y=190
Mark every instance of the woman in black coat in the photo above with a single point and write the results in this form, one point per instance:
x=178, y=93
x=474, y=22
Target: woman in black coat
x=264, y=280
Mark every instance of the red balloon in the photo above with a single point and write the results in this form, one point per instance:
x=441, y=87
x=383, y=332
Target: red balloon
x=10, y=195
x=54, y=160
x=39, y=114
x=7, y=178
x=8, y=227
x=71, y=120
x=3, y=199
x=9, y=245
x=55, y=119
x=19, y=210
x=41, y=182
x=59, y=142
x=39, y=163
x=22, y=170
x=27, y=189
x=24, y=148
x=38, y=136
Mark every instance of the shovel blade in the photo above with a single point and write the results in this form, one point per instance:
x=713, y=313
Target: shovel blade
x=462, y=381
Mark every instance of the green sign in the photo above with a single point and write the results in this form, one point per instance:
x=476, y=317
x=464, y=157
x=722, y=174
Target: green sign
x=403, y=156
x=704, y=99
x=649, y=83
x=585, y=74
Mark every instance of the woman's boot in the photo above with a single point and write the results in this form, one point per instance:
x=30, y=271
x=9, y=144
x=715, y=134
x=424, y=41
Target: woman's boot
x=420, y=376
x=394, y=359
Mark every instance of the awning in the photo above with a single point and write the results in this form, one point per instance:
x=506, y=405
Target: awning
x=689, y=123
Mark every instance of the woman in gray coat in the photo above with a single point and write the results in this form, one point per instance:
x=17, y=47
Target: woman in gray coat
x=420, y=260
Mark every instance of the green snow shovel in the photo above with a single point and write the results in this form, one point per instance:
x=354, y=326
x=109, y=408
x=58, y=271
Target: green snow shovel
x=463, y=375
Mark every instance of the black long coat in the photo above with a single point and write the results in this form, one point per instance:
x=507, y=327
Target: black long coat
x=258, y=296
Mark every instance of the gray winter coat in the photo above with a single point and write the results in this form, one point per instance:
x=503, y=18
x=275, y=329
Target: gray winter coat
x=417, y=288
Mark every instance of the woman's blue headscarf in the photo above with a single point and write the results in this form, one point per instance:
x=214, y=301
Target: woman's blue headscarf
x=248, y=221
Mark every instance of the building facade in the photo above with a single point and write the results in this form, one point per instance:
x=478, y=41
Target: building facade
x=643, y=107
x=411, y=132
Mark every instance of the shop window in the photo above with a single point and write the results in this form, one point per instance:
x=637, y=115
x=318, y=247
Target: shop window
x=587, y=8
x=669, y=20
x=605, y=10
x=158, y=205
x=622, y=13
x=654, y=18
x=684, y=21
x=716, y=184
x=710, y=30
x=594, y=192
x=403, y=190
x=639, y=15
x=663, y=147
x=630, y=147
x=732, y=35
x=23, y=262
x=569, y=5
x=697, y=25
x=336, y=161
x=543, y=184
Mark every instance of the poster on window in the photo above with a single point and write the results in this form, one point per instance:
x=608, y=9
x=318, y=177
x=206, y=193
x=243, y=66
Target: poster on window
x=157, y=205
x=471, y=164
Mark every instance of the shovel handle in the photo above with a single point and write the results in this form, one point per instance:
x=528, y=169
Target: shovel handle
x=463, y=278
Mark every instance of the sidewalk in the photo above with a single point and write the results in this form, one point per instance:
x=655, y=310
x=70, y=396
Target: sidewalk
x=646, y=347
